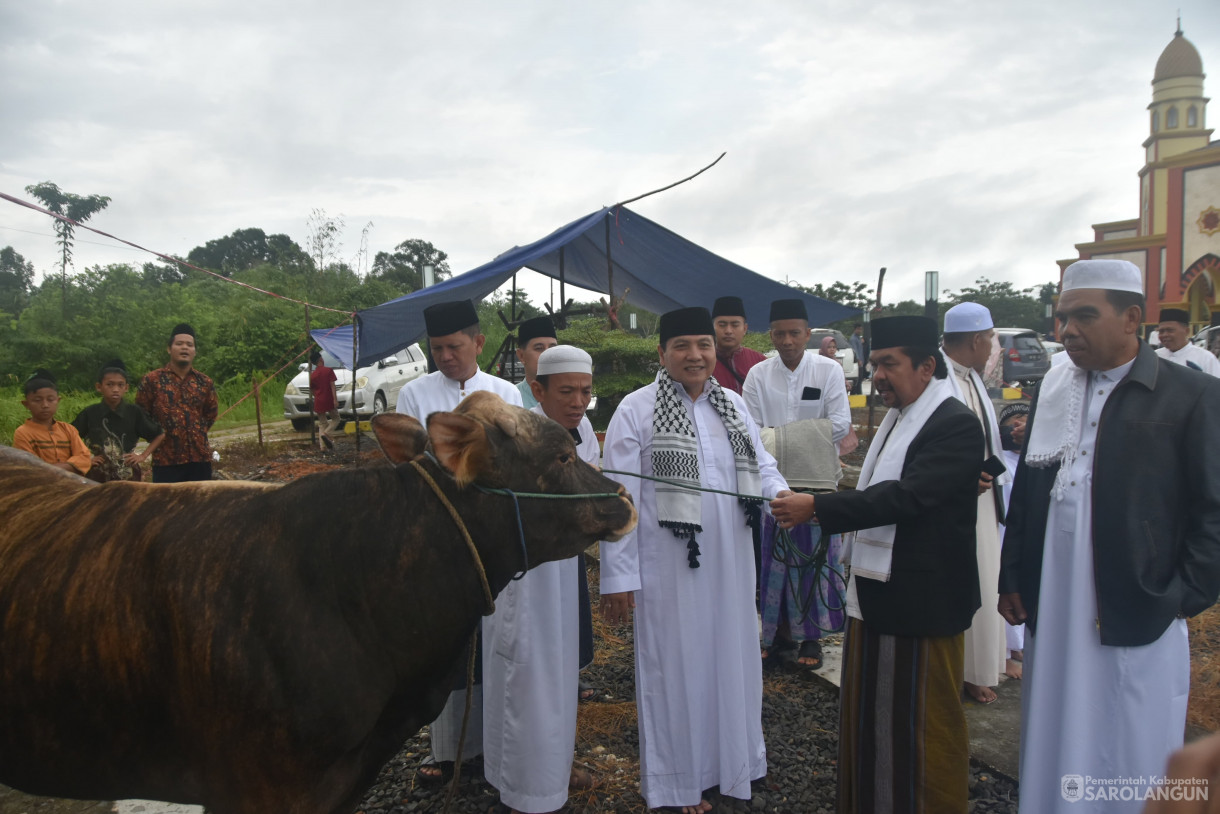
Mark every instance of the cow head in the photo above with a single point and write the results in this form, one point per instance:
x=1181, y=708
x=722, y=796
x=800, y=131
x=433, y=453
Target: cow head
x=498, y=445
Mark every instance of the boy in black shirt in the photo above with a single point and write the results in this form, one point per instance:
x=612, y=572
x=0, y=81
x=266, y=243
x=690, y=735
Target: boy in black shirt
x=112, y=427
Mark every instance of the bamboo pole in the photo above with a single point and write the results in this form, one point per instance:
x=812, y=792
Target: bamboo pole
x=258, y=413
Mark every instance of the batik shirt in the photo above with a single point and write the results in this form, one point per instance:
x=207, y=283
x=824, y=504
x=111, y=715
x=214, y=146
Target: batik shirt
x=185, y=407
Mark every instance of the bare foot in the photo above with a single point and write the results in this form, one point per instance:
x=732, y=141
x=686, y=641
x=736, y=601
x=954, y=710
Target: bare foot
x=984, y=695
x=1017, y=655
x=1013, y=668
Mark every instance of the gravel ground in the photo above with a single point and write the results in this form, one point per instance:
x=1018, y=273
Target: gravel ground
x=800, y=723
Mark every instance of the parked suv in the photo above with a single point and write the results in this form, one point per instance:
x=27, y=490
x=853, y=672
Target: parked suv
x=376, y=389
x=1025, y=360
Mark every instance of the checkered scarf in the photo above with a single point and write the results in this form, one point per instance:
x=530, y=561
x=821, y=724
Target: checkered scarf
x=675, y=457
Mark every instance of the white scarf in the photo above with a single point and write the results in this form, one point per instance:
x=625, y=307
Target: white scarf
x=994, y=447
x=1055, y=434
x=871, y=552
x=675, y=457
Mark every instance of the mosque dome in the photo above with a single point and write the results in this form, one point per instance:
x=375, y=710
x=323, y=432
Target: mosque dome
x=1178, y=59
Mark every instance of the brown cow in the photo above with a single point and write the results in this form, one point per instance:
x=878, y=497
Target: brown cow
x=257, y=648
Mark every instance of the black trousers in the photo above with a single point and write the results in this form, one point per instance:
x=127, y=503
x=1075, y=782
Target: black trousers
x=181, y=473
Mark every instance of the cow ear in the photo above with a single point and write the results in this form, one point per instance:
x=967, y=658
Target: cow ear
x=490, y=408
x=402, y=438
x=460, y=444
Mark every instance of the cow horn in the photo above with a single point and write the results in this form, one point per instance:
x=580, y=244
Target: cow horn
x=490, y=408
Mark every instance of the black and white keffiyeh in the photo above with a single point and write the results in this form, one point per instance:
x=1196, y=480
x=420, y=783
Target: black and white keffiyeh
x=675, y=457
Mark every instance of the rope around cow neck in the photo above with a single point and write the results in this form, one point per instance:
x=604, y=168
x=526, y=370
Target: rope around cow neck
x=474, y=637
x=488, y=599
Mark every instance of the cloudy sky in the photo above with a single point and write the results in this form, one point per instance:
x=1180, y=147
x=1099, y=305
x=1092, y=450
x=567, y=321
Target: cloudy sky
x=980, y=139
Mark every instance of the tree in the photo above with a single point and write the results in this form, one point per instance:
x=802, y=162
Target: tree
x=404, y=267
x=324, y=236
x=856, y=295
x=16, y=280
x=1010, y=307
x=76, y=207
x=247, y=248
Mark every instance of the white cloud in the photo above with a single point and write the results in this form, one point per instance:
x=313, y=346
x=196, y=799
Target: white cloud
x=972, y=139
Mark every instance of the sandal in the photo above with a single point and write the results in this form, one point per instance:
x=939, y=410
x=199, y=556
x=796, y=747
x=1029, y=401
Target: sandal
x=585, y=692
x=780, y=652
x=444, y=769
x=810, y=649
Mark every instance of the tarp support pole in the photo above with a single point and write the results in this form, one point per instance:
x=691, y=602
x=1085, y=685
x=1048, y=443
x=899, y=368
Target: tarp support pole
x=313, y=418
x=562, y=301
x=609, y=274
x=355, y=356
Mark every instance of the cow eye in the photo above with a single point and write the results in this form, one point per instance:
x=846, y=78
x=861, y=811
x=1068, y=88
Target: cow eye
x=565, y=458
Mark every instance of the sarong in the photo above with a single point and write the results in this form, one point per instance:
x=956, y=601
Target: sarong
x=903, y=743
x=777, y=601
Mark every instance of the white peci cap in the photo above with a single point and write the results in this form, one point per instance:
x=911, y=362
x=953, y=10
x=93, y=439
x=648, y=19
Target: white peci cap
x=564, y=359
x=967, y=317
x=1115, y=275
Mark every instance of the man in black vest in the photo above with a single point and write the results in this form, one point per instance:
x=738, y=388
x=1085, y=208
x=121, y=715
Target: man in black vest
x=913, y=586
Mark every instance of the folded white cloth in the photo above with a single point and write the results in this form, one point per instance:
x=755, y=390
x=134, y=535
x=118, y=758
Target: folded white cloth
x=805, y=453
x=1056, y=431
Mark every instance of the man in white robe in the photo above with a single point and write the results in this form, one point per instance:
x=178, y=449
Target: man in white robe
x=969, y=330
x=1113, y=539
x=797, y=385
x=1174, y=333
x=533, y=337
x=688, y=570
x=530, y=644
x=455, y=341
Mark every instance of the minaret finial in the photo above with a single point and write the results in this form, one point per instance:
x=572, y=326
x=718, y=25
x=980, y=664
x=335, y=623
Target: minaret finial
x=1178, y=33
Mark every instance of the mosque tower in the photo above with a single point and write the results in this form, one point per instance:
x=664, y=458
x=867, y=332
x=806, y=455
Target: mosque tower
x=1177, y=123
x=1175, y=240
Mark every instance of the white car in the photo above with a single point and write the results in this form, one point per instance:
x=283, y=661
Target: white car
x=376, y=388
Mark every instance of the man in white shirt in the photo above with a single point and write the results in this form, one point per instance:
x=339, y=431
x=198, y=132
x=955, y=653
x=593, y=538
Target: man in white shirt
x=1174, y=333
x=688, y=570
x=455, y=341
x=798, y=608
x=531, y=643
x=1113, y=539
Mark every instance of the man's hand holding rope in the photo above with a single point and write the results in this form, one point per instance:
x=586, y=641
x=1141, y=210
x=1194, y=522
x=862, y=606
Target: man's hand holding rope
x=790, y=509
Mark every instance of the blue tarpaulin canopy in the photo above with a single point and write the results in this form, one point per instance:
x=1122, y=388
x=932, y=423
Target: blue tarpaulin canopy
x=663, y=271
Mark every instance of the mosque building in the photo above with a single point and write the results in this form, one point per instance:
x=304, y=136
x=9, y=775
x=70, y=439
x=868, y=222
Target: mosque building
x=1176, y=238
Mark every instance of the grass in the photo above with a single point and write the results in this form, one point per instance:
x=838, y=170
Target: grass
x=271, y=396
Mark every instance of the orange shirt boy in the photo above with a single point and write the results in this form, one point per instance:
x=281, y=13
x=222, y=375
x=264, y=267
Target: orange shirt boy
x=56, y=442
